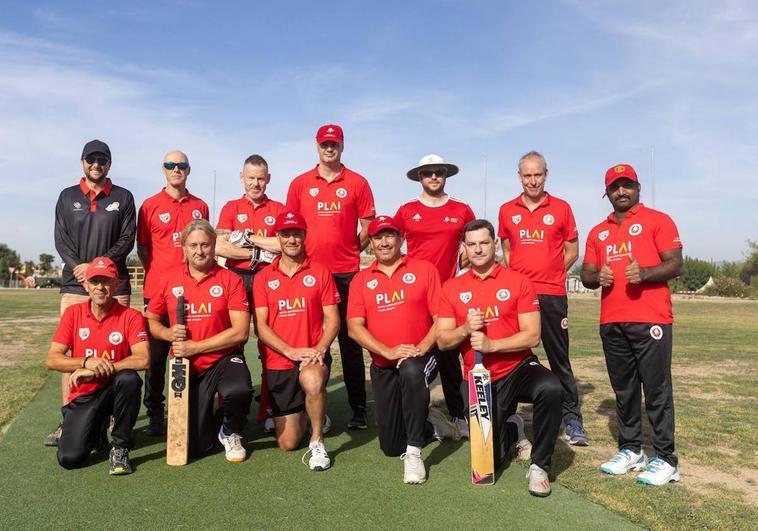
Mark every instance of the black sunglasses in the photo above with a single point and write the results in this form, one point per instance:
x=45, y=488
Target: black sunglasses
x=439, y=172
x=171, y=165
x=91, y=159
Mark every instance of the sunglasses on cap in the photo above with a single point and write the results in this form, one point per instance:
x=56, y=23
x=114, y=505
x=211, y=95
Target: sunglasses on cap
x=439, y=172
x=91, y=159
x=171, y=165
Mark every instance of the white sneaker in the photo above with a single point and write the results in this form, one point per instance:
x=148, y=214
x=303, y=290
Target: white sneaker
x=624, y=461
x=268, y=425
x=414, y=470
x=443, y=428
x=462, y=425
x=319, y=459
x=658, y=472
x=523, y=446
x=235, y=452
x=539, y=483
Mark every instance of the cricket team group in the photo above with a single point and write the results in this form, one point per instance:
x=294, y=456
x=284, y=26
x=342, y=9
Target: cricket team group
x=292, y=271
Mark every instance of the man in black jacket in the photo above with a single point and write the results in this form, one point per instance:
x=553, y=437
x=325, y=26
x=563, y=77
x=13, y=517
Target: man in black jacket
x=93, y=218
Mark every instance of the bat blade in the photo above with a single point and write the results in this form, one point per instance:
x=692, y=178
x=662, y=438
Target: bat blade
x=177, y=436
x=480, y=424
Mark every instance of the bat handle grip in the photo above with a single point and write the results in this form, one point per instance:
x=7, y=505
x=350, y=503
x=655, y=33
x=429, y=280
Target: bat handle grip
x=478, y=358
x=180, y=310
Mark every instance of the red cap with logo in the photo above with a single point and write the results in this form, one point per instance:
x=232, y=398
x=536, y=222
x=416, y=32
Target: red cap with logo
x=289, y=220
x=330, y=133
x=102, y=266
x=380, y=223
x=620, y=171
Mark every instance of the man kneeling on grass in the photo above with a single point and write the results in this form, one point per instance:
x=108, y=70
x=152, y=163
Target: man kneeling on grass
x=108, y=345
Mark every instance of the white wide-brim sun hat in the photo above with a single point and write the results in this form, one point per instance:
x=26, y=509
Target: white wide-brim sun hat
x=434, y=161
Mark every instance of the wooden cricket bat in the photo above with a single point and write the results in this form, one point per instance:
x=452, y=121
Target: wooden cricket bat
x=480, y=424
x=178, y=403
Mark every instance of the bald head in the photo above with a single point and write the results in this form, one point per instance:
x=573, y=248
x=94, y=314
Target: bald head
x=176, y=168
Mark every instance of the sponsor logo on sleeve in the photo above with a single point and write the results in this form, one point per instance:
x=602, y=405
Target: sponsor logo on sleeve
x=165, y=217
x=235, y=359
x=465, y=296
x=269, y=220
x=372, y=284
x=83, y=333
x=656, y=332
x=309, y=281
x=503, y=295
x=635, y=229
x=177, y=291
x=516, y=219
x=196, y=214
x=115, y=338
x=113, y=207
x=242, y=218
x=341, y=193
x=273, y=284
x=409, y=278
x=603, y=235
x=313, y=192
x=216, y=291
x=548, y=219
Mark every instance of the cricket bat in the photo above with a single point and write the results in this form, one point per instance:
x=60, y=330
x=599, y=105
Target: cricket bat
x=480, y=424
x=178, y=403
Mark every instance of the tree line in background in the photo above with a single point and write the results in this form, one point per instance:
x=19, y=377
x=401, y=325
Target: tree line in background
x=726, y=279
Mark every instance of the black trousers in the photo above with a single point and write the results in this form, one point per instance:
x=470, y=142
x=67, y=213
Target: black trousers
x=229, y=377
x=451, y=377
x=638, y=358
x=529, y=383
x=83, y=418
x=402, y=404
x=155, y=375
x=555, y=340
x=351, y=353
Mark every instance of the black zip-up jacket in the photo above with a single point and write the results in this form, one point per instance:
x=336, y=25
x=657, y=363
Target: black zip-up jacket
x=87, y=227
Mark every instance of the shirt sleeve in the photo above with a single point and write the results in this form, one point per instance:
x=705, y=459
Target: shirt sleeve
x=365, y=201
x=137, y=331
x=400, y=220
x=527, y=300
x=125, y=242
x=237, y=298
x=356, y=306
x=143, y=225
x=446, y=308
x=468, y=215
x=293, y=196
x=157, y=304
x=204, y=211
x=226, y=218
x=570, y=231
x=666, y=235
x=260, y=296
x=433, y=291
x=64, y=243
x=502, y=229
x=64, y=334
x=591, y=255
x=329, y=294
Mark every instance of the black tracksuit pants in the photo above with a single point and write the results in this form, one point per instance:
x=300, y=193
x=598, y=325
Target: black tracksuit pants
x=451, y=377
x=351, y=353
x=155, y=375
x=638, y=358
x=84, y=417
x=555, y=340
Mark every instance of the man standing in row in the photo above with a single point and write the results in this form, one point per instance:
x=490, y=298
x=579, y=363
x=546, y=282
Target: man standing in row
x=540, y=240
x=632, y=255
x=333, y=200
x=93, y=218
x=161, y=220
x=432, y=225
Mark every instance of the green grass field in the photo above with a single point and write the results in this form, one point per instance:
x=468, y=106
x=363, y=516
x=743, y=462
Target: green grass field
x=715, y=347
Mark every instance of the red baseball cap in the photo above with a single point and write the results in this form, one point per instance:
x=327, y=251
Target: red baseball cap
x=379, y=223
x=102, y=266
x=330, y=133
x=289, y=220
x=620, y=171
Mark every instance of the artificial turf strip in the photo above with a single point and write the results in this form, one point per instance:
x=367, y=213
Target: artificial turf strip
x=272, y=489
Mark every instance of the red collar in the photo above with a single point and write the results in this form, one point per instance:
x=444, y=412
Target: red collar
x=492, y=274
x=374, y=266
x=340, y=176
x=86, y=190
x=212, y=273
x=305, y=265
x=631, y=212
x=263, y=203
x=116, y=309
x=545, y=201
x=185, y=197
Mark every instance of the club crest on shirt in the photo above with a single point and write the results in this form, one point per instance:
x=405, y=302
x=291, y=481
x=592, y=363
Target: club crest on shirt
x=178, y=291
x=503, y=295
x=115, y=338
x=269, y=220
x=565, y=323
x=309, y=281
x=341, y=193
x=516, y=219
x=83, y=333
x=313, y=192
x=548, y=219
x=273, y=284
x=409, y=278
x=465, y=296
x=165, y=217
x=656, y=332
x=603, y=235
x=196, y=214
x=242, y=218
x=216, y=291
x=372, y=284
x=635, y=229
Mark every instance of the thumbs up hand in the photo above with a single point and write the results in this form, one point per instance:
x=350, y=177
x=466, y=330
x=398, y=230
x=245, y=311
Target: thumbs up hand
x=606, y=275
x=633, y=271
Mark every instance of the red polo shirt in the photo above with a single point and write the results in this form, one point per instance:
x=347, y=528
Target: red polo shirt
x=501, y=296
x=537, y=239
x=398, y=308
x=241, y=214
x=644, y=234
x=295, y=306
x=433, y=233
x=207, y=303
x=110, y=338
x=160, y=224
x=331, y=211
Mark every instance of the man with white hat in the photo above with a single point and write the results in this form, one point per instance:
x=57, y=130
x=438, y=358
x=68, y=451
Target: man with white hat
x=432, y=225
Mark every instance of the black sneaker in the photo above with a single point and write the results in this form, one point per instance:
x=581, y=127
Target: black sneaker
x=118, y=462
x=359, y=420
x=156, y=426
x=52, y=438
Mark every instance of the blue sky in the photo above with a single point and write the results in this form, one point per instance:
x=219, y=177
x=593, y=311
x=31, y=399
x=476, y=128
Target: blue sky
x=588, y=84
